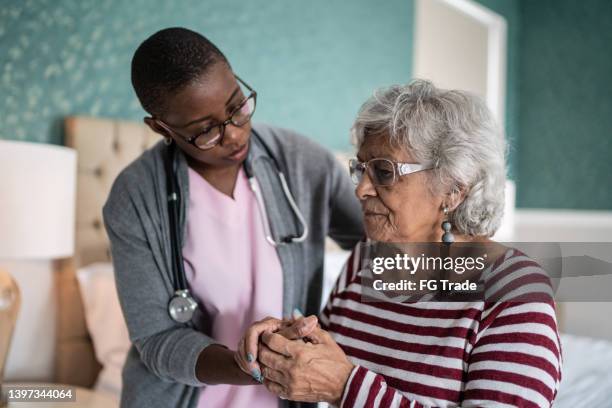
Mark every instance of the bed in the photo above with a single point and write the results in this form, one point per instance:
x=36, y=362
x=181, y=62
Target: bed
x=587, y=373
x=105, y=147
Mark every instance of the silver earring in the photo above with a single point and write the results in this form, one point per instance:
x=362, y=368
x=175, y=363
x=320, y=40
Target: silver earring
x=167, y=141
x=447, y=237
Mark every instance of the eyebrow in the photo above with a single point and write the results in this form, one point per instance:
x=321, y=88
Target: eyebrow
x=208, y=117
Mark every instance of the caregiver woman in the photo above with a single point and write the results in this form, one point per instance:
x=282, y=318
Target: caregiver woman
x=197, y=104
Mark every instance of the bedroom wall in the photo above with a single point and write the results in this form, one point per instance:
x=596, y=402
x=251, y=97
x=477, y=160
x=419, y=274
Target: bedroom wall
x=558, y=101
x=312, y=63
x=565, y=102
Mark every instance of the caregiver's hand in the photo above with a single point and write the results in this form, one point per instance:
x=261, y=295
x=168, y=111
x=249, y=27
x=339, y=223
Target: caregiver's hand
x=247, y=353
x=309, y=372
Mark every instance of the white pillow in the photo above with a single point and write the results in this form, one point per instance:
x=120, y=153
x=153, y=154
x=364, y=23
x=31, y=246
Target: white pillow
x=335, y=258
x=105, y=323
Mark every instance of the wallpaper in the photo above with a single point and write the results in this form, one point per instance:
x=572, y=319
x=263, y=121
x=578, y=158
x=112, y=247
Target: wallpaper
x=312, y=63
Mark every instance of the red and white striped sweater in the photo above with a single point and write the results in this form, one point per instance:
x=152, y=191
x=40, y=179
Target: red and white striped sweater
x=447, y=354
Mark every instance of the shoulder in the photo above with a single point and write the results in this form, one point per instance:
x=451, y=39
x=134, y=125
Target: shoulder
x=519, y=291
x=517, y=277
x=138, y=177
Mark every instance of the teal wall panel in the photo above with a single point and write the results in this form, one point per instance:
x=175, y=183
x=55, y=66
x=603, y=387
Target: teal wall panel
x=565, y=117
x=313, y=63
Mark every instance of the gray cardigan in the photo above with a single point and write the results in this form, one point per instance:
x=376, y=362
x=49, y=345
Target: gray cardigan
x=160, y=367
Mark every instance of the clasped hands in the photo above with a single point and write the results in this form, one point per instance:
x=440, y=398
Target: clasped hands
x=295, y=359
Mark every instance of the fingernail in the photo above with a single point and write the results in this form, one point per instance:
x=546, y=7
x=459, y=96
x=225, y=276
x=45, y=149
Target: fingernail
x=256, y=374
x=250, y=357
x=297, y=313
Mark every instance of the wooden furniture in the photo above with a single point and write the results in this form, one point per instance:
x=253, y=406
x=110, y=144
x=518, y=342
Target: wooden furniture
x=10, y=301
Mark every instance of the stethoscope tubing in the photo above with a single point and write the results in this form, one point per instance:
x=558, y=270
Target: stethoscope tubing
x=182, y=305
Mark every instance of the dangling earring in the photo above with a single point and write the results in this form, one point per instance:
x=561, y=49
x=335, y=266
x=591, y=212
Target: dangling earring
x=448, y=237
x=167, y=141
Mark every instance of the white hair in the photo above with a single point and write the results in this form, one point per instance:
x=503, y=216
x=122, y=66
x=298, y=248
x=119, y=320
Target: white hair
x=451, y=131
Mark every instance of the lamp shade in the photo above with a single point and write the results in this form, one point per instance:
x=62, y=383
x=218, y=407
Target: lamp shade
x=37, y=200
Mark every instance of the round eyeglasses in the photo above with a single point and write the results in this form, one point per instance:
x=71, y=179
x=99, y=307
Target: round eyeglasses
x=382, y=172
x=213, y=135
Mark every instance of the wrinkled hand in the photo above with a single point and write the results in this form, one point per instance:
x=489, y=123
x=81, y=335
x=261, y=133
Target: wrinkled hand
x=304, y=371
x=246, y=355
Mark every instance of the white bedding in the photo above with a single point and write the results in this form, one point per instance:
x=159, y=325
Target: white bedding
x=587, y=373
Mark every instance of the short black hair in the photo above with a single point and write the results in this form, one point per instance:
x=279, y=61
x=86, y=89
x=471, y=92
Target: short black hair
x=168, y=61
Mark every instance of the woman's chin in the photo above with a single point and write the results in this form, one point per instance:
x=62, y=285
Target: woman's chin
x=375, y=233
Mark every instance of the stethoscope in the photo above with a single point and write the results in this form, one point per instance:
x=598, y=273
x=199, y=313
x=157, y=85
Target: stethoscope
x=182, y=305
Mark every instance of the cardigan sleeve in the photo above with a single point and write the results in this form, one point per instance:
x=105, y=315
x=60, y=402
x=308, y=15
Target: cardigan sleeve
x=168, y=349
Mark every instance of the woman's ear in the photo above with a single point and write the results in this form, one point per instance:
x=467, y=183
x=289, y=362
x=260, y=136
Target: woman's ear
x=455, y=197
x=156, y=127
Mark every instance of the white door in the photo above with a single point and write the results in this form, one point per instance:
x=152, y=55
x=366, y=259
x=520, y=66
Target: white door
x=460, y=44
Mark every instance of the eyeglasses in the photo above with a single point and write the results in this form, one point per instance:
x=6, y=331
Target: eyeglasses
x=382, y=172
x=212, y=135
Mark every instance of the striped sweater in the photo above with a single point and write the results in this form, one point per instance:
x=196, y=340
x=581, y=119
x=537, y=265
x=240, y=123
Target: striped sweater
x=447, y=354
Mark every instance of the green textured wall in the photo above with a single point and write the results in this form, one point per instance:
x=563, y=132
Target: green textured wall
x=565, y=117
x=313, y=63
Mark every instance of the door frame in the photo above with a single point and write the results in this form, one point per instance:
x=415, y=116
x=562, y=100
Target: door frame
x=496, y=51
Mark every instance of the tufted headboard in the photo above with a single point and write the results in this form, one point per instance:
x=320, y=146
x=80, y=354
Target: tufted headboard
x=104, y=147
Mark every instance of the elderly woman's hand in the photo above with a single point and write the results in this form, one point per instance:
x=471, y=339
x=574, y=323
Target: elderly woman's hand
x=304, y=371
x=247, y=352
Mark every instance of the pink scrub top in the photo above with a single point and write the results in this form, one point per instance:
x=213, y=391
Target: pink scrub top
x=233, y=273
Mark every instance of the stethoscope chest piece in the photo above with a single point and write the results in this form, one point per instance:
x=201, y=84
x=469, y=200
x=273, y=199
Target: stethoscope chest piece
x=182, y=306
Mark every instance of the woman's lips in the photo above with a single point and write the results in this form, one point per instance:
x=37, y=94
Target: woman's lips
x=240, y=153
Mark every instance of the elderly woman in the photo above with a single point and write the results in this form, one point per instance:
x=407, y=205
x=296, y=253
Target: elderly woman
x=426, y=157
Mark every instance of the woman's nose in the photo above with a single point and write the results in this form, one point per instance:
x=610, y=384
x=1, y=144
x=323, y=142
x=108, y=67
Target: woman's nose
x=233, y=135
x=365, y=188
